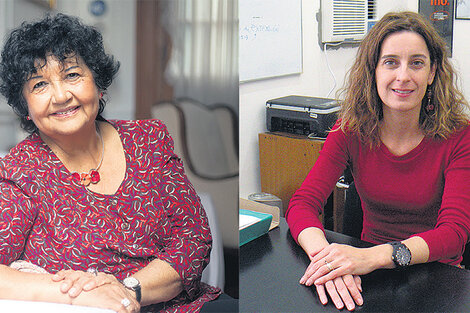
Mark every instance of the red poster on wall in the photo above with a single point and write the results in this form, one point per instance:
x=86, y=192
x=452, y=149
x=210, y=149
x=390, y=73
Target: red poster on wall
x=441, y=15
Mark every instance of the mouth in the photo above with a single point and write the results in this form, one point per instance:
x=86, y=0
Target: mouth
x=402, y=92
x=66, y=112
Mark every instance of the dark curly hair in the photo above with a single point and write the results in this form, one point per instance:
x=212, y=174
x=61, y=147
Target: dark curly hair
x=61, y=36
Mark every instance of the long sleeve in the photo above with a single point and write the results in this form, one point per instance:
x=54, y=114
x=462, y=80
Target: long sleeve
x=189, y=244
x=448, y=238
x=307, y=202
x=17, y=216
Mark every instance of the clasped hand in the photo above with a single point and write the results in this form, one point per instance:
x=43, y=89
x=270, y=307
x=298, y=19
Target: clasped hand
x=102, y=290
x=336, y=268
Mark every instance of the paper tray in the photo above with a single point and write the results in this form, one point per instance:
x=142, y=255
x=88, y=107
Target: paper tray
x=266, y=216
x=263, y=208
x=252, y=225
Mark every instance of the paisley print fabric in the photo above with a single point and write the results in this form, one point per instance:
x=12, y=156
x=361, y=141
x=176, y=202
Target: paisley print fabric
x=48, y=219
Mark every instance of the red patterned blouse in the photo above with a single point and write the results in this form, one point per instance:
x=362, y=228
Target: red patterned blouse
x=50, y=220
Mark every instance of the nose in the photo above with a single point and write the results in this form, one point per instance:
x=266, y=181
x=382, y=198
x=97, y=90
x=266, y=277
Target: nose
x=61, y=94
x=403, y=73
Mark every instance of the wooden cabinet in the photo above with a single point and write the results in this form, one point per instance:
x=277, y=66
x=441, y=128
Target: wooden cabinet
x=285, y=160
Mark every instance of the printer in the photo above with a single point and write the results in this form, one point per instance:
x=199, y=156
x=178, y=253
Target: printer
x=309, y=116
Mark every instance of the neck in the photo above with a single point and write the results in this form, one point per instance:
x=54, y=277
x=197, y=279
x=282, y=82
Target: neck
x=78, y=152
x=400, y=125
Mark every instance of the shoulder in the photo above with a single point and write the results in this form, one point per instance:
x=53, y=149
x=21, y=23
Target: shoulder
x=24, y=159
x=151, y=134
x=459, y=137
x=342, y=134
x=146, y=127
x=463, y=133
x=456, y=146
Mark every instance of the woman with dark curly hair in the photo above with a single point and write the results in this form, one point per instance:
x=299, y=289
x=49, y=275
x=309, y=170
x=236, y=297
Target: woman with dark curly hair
x=405, y=136
x=101, y=210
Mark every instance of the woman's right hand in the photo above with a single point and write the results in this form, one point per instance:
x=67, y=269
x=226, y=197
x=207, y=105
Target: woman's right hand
x=344, y=291
x=109, y=296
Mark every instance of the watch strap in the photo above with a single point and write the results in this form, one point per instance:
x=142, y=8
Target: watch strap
x=138, y=293
x=401, y=255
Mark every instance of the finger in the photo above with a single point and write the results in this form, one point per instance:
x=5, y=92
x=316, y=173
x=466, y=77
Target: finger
x=358, y=281
x=321, y=272
x=60, y=275
x=323, y=253
x=312, y=268
x=67, y=283
x=128, y=304
x=337, y=271
x=354, y=291
x=97, y=281
x=79, y=283
x=331, y=289
x=322, y=294
x=92, y=284
x=343, y=292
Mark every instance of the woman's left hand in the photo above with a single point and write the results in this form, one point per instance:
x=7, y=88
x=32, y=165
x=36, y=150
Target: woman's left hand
x=76, y=281
x=337, y=260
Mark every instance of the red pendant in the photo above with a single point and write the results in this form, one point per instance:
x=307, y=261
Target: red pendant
x=95, y=176
x=85, y=179
x=76, y=176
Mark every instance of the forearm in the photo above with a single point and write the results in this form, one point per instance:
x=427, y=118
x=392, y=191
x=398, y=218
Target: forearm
x=383, y=253
x=312, y=239
x=159, y=282
x=16, y=285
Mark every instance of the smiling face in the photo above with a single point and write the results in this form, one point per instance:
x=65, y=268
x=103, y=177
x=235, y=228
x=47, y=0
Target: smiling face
x=403, y=72
x=62, y=98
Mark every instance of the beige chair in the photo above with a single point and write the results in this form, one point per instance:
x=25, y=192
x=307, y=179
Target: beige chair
x=206, y=138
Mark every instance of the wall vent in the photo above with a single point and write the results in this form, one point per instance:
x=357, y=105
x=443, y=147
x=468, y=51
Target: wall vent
x=344, y=20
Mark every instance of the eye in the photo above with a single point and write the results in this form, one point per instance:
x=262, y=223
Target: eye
x=72, y=75
x=417, y=63
x=39, y=85
x=390, y=62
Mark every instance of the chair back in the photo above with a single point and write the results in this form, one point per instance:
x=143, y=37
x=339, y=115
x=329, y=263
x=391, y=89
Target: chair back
x=209, y=137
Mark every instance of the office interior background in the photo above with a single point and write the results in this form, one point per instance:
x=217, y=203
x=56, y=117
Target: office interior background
x=315, y=80
x=179, y=63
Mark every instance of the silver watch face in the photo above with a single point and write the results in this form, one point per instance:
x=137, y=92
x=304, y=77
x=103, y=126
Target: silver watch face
x=403, y=256
x=130, y=282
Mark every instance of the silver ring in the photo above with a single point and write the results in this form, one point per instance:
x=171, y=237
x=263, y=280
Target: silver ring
x=328, y=265
x=125, y=302
x=92, y=270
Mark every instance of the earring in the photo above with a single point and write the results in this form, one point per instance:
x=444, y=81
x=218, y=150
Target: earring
x=101, y=95
x=28, y=118
x=429, y=106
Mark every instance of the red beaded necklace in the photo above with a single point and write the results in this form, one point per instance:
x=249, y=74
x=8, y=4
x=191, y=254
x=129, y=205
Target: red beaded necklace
x=93, y=176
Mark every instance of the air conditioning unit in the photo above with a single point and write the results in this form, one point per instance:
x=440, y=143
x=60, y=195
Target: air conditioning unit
x=343, y=20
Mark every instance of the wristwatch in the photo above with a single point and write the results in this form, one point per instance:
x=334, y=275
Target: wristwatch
x=133, y=284
x=401, y=255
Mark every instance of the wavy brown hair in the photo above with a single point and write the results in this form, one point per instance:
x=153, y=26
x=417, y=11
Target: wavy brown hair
x=361, y=109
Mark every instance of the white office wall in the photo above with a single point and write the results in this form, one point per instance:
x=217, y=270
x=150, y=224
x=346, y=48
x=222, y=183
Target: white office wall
x=10, y=10
x=316, y=81
x=117, y=25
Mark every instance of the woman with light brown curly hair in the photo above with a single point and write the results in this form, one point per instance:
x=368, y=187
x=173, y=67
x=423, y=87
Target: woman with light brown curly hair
x=405, y=135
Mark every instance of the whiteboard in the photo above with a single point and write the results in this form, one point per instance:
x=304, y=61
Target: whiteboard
x=270, y=38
